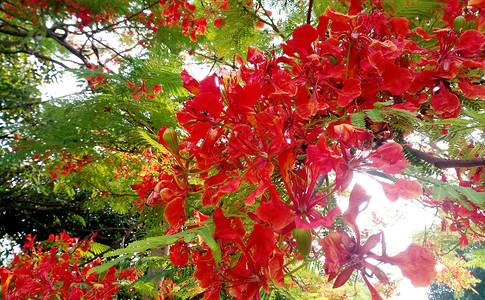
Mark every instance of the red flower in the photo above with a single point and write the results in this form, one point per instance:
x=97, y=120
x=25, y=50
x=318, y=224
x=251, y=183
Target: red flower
x=416, y=263
x=389, y=158
x=174, y=213
x=403, y=188
x=257, y=263
x=445, y=103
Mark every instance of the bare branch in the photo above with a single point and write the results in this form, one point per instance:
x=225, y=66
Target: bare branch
x=38, y=55
x=69, y=47
x=216, y=59
x=126, y=19
x=442, y=163
x=13, y=33
x=10, y=43
x=309, y=13
x=270, y=23
x=139, y=122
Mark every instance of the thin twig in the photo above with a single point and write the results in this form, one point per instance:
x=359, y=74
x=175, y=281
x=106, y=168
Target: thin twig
x=270, y=23
x=126, y=19
x=36, y=54
x=216, y=59
x=139, y=122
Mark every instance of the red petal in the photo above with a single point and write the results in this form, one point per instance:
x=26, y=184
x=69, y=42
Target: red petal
x=322, y=26
x=471, y=90
x=6, y=277
x=378, y=61
x=218, y=22
x=189, y=82
x=417, y=264
x=445, y=102
x=355, y=7
x=351, y=136
x=399, y=26
x=340, y=22
x=157, y=88
x=477, y=3
x=403, y=188
x=311, y=108
x=334, y=253
x=470, y=43
x=396, y=80
x=255, y=55
x=251, y=198
x=210, y=85
x=224, y=229
x=175, y=212
x=178, y=256
x=343, y=277
x=375, y=295
x=371, y=243
x=274, y=213
x=349, y=92
x=261, y=243
x=357, y=197
x=423, y=33
x=210, y=103
x=276, y=273
x=304, y=36
x=389, y=158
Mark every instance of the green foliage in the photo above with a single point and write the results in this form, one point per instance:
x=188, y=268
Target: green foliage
x=417, y=9
x=459, y=194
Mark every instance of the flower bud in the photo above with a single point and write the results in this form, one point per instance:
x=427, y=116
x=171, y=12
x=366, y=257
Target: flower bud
x=303, y=239
x=459, y=24
x=170, y=137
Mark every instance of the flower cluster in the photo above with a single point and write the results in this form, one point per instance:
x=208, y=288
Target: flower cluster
x=277, y=138
x=55, y=269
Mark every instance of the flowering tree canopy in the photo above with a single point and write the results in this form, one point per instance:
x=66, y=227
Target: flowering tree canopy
x=234, y=177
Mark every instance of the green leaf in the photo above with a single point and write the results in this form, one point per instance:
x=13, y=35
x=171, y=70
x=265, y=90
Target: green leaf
x=207, y=234
x=98, y=248
x=374, y=115
x=358, y=119
x=105, y=266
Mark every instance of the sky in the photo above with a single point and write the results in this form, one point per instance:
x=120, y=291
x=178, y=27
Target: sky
x=403, y=218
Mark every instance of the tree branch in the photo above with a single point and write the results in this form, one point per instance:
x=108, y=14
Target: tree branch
x=442, y=163
x=271, y=23
x=69, y=47
x=217, y=60
x=36, y=54
x=126, y=19
x=309, y=13
x=139, y=122
x=127, y=234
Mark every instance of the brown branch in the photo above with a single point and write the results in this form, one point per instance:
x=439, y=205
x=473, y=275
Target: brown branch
x=126, y=19
x=128, y=233
x=68, y=46
x=442, y=163
x=11, y=32
x=216, y=59
x=36, y=54
x=270, y=23
x=309, y=13
x=139, y=122
x=10, y=43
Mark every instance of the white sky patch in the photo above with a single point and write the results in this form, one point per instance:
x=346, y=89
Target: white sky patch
x=401, y=218
x=66, y=85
